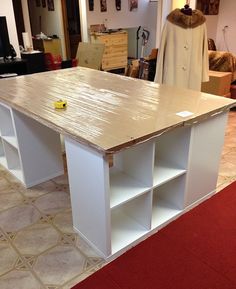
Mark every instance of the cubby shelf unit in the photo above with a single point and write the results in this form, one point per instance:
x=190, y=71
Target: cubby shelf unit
x=144, y=187
x=28, y=150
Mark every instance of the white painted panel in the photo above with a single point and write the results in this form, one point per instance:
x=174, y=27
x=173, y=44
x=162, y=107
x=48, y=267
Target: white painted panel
x=125, y=230
x=137, y=162
x=168, y=201
x=11, y=140
x=89, y=183
x=123, y=188
x=140, y=209
x=207, y=139
x=172, y=148
x=13, y=160
x=6, y=126
x=3, y=160
x=1, y=148
x=39, y=150
x=163, y=173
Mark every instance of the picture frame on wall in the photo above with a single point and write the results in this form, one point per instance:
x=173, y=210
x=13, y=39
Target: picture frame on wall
x=91, y=5
x=118, y=5
x=43, y=3
x=208, y=7
x=51, y=5
x=103, y=4
x=37, y=2
x=133, y=5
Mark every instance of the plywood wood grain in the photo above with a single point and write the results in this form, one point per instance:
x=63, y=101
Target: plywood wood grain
x=106, y=112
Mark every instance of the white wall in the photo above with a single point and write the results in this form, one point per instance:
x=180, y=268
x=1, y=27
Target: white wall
x=6, y=9
x=227, y=17
x=212, y=23
x=50, y=20
x=119, y=19
x=145, y=16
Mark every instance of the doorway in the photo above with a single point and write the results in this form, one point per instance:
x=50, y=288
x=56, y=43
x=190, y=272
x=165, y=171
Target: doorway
x=72, y=27
x=20, y=26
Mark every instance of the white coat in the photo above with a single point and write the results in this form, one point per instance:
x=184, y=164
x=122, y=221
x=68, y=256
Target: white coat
x=183, y=54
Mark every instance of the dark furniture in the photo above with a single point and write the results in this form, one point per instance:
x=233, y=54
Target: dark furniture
x=17, y=65
x=35, y=61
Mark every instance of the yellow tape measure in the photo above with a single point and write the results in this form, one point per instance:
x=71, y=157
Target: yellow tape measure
x=60, y=104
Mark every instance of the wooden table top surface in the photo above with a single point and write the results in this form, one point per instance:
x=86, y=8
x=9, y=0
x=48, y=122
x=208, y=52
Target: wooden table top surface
x=107, y=112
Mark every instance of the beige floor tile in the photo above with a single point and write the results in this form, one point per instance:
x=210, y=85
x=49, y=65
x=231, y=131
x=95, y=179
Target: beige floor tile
x=17, y=218
x=61, y=180
x=227, y=169
x=8, y=257
x=4, y=184
x=53, y=202
x=19, y=280
x=63, y=221
x=230, y=157
x=85, y=248
x=10, y=199
x=225, y=184
x=36, y=239
x=39, y=190
x=60, y=264
x=81, y=277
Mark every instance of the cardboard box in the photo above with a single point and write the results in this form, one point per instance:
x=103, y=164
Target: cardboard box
x=219, y=83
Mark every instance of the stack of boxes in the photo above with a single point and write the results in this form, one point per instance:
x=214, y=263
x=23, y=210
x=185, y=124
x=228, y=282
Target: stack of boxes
x=219, y=83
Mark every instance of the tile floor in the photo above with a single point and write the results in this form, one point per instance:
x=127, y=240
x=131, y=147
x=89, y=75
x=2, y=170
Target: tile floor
x=38, y=248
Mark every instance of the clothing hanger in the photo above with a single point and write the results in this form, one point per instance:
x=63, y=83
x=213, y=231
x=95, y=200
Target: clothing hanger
x=187, y=10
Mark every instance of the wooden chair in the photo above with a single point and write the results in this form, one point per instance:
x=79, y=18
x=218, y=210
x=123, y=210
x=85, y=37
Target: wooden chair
x=90, y=55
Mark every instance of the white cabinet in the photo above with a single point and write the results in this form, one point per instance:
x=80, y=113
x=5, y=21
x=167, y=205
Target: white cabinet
x=29, y=150
x=115, y=206
x=147, y=185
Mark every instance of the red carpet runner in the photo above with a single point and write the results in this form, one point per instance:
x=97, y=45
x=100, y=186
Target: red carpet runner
x=197, y=251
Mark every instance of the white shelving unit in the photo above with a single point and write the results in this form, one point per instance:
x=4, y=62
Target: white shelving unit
x=168, y=201
x=147, y=186
x=29, y=150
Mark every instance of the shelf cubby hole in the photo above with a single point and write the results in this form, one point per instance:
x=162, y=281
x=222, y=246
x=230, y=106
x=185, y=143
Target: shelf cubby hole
x=6, y=125
x=130, y=221
x=168, y=201
x=131, y=173
x=13, y=161
x=171, y=155
x=3, y=160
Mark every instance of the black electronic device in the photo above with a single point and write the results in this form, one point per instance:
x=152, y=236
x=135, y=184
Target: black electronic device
x=5, y=47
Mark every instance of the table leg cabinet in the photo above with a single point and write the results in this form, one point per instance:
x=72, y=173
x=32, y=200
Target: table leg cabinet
x=29, y=150
x=147, y=186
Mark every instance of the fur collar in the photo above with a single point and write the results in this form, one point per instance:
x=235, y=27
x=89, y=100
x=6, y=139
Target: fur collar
x=186, y=21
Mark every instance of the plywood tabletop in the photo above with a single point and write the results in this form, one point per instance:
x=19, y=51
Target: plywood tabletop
x=106, y=112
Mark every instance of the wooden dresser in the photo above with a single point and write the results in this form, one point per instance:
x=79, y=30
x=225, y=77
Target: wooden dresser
x=116, y=49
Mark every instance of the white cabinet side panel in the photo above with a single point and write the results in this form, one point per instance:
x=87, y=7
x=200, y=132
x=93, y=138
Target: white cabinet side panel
x=207, y=139
x=88, y=175
x=39, y=150
x=138, y=162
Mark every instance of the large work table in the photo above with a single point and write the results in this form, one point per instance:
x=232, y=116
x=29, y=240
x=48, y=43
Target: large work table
x=138, y=154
